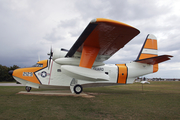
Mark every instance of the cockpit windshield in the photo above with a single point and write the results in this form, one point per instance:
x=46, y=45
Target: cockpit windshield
x=42, y=63
x=38, y=65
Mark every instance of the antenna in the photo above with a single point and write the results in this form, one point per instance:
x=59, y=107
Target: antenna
x=39, y=58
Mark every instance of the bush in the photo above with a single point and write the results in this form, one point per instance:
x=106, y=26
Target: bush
x=4, y=76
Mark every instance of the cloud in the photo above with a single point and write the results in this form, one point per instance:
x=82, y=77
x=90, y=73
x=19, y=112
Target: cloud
x=29, y=28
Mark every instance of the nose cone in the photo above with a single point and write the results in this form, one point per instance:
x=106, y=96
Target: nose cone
x=27, y=74
x=11, y=72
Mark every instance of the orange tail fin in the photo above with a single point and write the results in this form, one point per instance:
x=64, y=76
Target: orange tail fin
x=149, y=49
x=149, y=53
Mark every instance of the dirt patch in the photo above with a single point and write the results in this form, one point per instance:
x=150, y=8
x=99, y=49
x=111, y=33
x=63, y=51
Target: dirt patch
x=56, y=93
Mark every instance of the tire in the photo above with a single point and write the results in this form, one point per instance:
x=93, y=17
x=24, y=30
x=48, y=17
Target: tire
x=28, y=89
x=78, y=89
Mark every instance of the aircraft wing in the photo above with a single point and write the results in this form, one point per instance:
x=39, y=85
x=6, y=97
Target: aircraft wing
x=155, y=60
x=100, y=40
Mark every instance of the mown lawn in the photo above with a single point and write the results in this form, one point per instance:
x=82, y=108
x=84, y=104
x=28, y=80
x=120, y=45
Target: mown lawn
x=157, y=101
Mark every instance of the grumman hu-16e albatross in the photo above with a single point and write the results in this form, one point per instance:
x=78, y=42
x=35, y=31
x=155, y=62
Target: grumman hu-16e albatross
x=82, y=66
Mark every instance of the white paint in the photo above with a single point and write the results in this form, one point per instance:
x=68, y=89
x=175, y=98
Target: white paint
x=74, y=61
x=84, y=73
x=62, y=76
x=150, y=51
x=136, y=69
x=151, y=36
x=57, y=53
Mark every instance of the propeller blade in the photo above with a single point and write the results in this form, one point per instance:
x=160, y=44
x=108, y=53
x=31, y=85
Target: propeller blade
x=50, y=57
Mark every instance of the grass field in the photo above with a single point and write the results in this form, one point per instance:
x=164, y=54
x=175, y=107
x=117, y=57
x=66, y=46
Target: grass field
x=157, y=101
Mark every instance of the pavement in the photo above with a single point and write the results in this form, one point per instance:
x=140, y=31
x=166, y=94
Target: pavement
x=56, y=93
x=49, y=93
x=10, y=84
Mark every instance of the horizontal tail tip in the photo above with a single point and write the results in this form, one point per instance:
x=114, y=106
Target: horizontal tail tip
x=151, y=36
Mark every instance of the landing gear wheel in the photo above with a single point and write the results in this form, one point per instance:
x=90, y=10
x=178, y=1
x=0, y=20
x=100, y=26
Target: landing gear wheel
x=28, y=89
x=78, y=89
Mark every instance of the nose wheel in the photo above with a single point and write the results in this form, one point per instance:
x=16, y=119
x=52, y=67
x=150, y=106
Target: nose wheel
x=28, y=89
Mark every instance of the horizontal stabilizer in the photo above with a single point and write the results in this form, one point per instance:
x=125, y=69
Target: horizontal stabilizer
x=155, y=60
x=84, y=73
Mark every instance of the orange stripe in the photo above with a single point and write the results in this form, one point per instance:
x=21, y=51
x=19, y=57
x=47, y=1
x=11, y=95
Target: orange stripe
x=151, y=44
x=122, y=75
x=143, y=56
x=88, y=56
x=155, y=68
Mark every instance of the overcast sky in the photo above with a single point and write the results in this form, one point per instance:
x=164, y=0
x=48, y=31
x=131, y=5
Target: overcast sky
x=29, y=28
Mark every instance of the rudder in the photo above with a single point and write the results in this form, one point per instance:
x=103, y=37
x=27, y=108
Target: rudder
x=149, y=50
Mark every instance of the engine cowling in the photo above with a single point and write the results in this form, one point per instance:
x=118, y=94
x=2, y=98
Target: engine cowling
x=58, y=56
x=59, y=53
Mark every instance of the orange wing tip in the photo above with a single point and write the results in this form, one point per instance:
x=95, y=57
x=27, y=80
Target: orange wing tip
x=97, y=20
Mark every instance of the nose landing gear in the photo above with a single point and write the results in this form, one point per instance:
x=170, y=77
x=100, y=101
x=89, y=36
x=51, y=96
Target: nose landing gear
x=28, y=89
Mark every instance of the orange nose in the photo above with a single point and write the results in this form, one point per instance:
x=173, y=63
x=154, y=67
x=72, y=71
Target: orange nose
x=27, y=74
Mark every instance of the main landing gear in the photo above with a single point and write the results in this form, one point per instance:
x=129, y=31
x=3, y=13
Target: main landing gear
x=78, y=89
x=28, y=89
x=75, y=87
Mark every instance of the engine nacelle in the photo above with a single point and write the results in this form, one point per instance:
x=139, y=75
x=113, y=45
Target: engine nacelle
x=59, y=57
x=59, y=53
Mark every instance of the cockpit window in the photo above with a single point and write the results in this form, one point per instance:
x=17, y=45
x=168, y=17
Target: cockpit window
x=38, y=65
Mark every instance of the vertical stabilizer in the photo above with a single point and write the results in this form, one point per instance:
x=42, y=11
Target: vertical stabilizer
x=149, y=50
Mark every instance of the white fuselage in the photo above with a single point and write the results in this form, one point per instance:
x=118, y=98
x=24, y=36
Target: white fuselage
x=53, y=75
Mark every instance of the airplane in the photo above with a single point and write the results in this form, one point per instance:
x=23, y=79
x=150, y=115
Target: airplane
x=83, y=65
x=143, y=82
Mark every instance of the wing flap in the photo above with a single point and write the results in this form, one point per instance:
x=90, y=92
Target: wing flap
x=155, y=60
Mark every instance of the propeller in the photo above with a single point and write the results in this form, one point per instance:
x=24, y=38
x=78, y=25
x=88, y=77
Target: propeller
x=50, y=56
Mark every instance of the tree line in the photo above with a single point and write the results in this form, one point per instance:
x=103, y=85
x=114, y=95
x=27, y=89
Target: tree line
x=4, y=75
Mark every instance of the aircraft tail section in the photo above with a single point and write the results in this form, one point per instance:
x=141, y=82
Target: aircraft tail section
x=149, y=48
x=149, y=53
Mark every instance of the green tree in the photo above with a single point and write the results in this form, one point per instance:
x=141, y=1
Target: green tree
x=4, y=76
